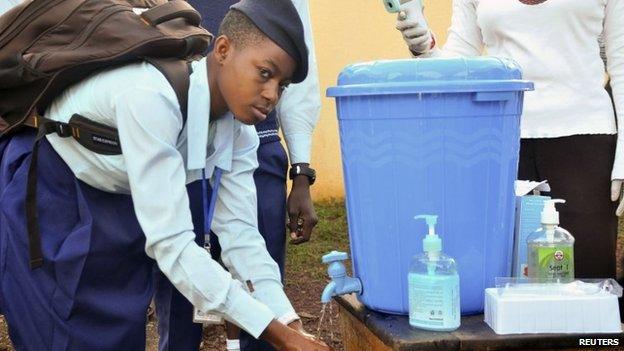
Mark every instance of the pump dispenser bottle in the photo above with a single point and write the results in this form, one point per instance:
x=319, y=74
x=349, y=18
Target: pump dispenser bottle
x=433, y=285
x=551, y=248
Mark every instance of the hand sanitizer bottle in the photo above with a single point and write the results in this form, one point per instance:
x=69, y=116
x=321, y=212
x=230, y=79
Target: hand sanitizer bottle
x=433, y=285
x=551, y=248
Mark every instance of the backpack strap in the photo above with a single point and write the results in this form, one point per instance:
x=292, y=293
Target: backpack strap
x=95, y=137
x=178, y=73
x=171, y=10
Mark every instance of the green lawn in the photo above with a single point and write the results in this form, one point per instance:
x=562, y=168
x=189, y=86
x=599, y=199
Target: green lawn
x=329, y=234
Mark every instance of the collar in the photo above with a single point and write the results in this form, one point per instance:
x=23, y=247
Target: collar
x=198, y=126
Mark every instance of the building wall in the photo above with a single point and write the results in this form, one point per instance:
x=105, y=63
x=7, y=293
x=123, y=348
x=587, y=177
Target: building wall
x=345, y=32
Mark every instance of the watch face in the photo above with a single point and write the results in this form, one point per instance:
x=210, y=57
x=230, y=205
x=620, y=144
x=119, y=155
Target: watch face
x=306, y=171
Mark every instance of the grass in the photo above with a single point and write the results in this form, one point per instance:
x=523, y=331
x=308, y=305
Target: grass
x=329, y=234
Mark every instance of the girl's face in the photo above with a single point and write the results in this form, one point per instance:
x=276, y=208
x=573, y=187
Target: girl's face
x=251, y=79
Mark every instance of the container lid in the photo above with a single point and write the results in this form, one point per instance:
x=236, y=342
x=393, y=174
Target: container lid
x=435, y=75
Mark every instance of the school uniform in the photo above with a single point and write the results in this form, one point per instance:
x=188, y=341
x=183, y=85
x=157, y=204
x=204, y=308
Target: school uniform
x=297, y=114
x=105, y=219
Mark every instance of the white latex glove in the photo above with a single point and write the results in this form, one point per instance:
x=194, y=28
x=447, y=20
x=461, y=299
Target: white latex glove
x=418, y=38
x=616, y=194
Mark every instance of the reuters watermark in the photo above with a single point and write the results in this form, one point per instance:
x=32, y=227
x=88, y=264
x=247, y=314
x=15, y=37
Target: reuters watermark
x=598, y=342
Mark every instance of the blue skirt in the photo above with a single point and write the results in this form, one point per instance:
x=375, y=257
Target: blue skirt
x=95, y=285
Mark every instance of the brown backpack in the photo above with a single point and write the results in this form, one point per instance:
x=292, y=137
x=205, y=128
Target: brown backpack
x=47, y=45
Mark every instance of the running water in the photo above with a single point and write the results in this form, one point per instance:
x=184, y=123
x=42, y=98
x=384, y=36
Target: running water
x=320, y=322
x=331, y=322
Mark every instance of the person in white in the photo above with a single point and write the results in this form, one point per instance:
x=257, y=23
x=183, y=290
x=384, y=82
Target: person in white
x=569, y=128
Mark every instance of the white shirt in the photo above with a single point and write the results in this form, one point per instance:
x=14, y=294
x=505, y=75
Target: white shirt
x=300, y=105
x=6, y=5
x=556, y=44
x=160, y=156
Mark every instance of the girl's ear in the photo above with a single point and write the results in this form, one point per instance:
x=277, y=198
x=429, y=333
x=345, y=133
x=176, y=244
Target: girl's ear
x=222, y=48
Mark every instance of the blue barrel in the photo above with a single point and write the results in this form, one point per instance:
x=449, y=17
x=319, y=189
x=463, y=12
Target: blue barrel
x=430, y=136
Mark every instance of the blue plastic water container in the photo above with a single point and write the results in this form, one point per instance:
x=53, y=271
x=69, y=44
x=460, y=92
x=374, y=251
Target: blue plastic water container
x=430, y=136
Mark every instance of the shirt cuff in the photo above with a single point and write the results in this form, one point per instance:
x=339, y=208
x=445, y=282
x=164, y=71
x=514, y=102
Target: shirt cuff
x=246, y=312
x=271, y=293
x=288, y=318
x=299, y=145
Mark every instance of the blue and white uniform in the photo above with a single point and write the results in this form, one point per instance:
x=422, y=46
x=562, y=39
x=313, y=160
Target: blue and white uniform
x=99, y=216
x=297, y=114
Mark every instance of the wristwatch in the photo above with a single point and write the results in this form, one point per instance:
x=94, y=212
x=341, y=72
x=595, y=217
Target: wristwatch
x=301, y=169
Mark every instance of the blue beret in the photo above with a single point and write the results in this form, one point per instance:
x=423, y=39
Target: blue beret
x=280, y=21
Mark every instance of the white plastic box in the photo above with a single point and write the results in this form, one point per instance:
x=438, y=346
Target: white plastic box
x=529, y=314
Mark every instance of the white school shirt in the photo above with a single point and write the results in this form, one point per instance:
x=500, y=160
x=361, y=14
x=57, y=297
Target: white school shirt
x=160, y=156
x=6, y=5
x=556, y=44
x=299, y=108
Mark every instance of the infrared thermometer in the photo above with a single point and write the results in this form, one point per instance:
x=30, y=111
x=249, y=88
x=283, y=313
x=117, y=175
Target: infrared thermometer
x=407, y=9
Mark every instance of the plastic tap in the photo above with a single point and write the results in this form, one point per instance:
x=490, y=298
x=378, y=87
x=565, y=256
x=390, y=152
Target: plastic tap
x=341, y=283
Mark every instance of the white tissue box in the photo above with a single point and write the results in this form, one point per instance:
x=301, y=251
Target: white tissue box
x=530, y=314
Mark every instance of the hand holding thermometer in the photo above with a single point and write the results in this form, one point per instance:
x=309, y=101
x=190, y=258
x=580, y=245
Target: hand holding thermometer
x=412, y=24
x=408, y=10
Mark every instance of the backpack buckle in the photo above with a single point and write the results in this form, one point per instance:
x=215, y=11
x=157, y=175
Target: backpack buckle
x=63, y=129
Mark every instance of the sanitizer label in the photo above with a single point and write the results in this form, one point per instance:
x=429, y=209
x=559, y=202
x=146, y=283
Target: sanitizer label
x=554, y=262
x=434, y=301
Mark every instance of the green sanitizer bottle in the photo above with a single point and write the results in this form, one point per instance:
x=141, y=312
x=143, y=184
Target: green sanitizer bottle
x=551, y=248
x=433, y=285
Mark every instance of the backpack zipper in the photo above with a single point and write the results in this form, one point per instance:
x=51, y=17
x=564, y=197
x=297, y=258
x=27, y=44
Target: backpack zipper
x=82, y=38
x=20, y=25
x=101, y=17
x=31, y=63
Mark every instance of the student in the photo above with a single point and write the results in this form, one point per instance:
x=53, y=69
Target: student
x=297, y=114
x=569, y=129
x=99, y=215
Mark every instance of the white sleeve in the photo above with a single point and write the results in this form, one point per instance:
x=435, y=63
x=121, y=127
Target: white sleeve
x=464, y=35
x=299, y=107
x=614, y=48
x=243, y=250
x=149, y=123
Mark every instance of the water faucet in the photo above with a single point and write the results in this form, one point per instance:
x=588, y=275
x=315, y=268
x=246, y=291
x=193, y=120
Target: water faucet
x=341, y=283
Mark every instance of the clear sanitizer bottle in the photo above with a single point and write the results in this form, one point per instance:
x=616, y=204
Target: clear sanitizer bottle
x=433, y=285
x=551, y=248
